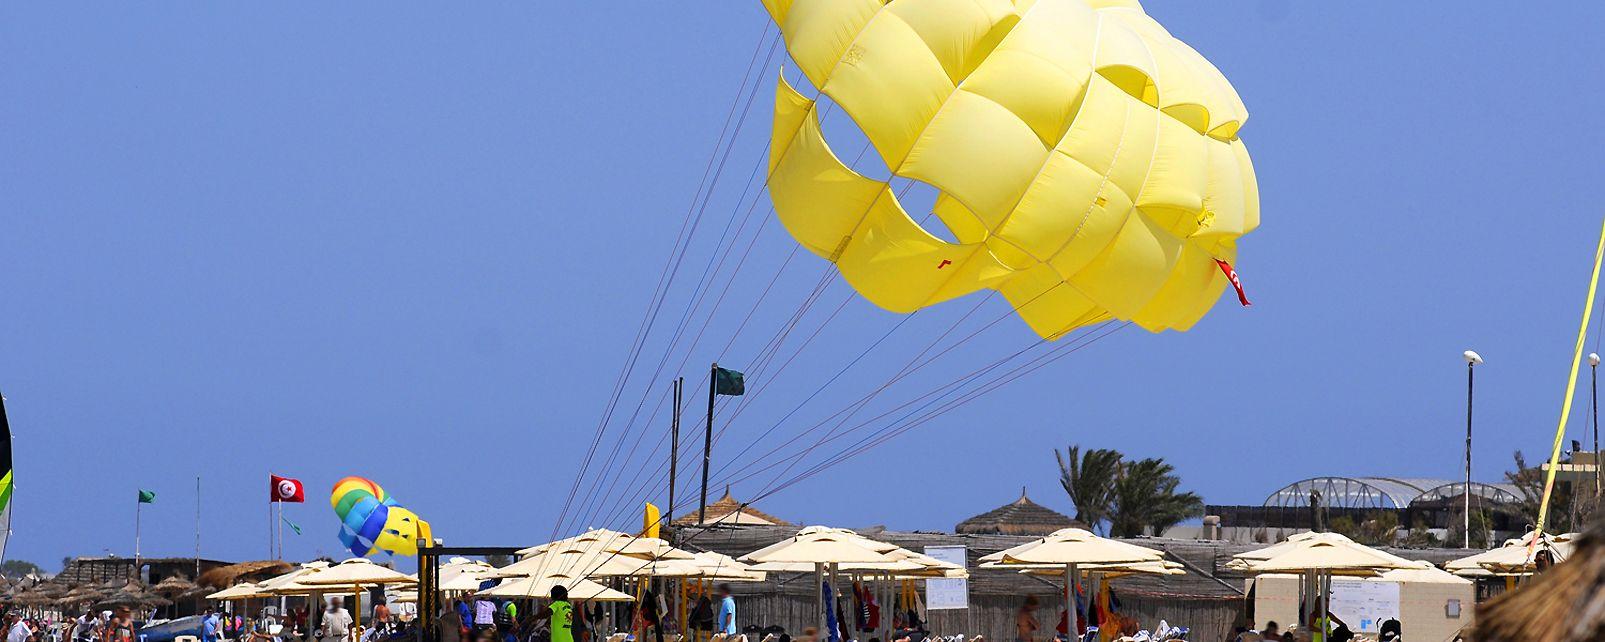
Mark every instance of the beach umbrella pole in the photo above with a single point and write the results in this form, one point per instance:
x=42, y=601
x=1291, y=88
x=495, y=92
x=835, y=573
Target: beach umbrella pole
x=819, y=595
x=1070, y=619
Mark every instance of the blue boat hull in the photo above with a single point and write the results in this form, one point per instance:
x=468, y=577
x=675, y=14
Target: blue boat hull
x=167, y=631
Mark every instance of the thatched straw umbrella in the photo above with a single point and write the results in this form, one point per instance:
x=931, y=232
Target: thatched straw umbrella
x=1020, y=517
x=81, y=595
x=32, y=597
x=1564, y=604
x=174, y=585
x=133, y=599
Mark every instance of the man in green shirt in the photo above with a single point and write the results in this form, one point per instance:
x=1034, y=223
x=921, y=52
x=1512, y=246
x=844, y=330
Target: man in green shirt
x=560, y=614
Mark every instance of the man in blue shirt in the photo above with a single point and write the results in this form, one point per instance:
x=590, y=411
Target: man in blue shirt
x=209, y=626
x=726, y=621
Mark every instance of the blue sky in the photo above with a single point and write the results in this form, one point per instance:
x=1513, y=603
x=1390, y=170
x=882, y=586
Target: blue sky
x=414, y=243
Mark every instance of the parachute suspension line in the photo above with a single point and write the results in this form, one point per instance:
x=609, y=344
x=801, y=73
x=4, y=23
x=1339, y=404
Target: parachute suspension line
x=1032, y=365
x=710, y=272
x=819, y=288
x=1571, y=389
x=660, y=292
x=914, y=365
x=764, y=381
x=907, y=371
x=748, y=316
x=727, y=479
x=629, y=457
x=1038, y=363
x=854, y=406
x=767, y=493
x=825, y=113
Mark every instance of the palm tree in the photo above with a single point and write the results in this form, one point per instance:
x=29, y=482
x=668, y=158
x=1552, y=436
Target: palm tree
x=1146, y=497
x=1089, y=479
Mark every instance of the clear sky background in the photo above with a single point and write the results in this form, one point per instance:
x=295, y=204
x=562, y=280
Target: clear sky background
x=414, y=243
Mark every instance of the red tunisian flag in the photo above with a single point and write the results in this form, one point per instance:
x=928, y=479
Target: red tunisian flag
x=284, y=489
x=1237, y=283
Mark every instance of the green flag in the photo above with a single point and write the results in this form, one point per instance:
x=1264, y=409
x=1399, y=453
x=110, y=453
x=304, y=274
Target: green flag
x=147, y=496
x=728, y=382
x=291, y=524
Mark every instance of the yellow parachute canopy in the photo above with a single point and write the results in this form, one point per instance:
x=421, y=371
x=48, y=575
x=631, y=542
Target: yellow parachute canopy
x=1088, y=163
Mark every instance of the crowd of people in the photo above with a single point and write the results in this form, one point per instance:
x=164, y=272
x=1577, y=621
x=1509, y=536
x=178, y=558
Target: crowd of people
x=116, y=625
x=560, y=620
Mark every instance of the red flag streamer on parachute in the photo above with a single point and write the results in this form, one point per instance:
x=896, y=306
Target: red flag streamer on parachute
x=1237, y=283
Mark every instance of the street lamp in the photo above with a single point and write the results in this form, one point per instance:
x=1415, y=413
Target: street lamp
x=1593, y=381
x=1472, y=361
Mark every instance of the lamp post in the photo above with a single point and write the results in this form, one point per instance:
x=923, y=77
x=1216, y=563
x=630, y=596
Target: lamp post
x=1472, y=361
x=1593, y=382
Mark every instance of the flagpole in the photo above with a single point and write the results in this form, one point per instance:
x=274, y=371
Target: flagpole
x=707, y=445
x=137, y=506
x=197, y=527
x=281, y=528
x=270, y=519
x=674, y=443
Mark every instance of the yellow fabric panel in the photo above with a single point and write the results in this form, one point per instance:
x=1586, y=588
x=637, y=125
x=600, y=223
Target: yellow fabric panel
x=959, y=33
x=1096, y=228
x=792, y=109
x=1036, y=90
x=858, y=223
x=979, y=152
x=777, y=9
x=1105, y=4
x=1063, y=33
x=1189, y=83
x=1128, y=274
x=898, y=266
x=1113, y=133
x=1047, y=304
x=1064, y=194
x=817, y=198
x=1174, y=191
x=1225, y=105
x=963, y=223
x=1245, y=168
x=1123, y=58
x=818, y=32
x=1193, y=285
x=1225, y=206
x=891, y=85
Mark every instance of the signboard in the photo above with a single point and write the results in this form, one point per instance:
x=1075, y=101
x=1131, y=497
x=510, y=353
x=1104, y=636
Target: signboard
x=947, y=594
x=1363, y=604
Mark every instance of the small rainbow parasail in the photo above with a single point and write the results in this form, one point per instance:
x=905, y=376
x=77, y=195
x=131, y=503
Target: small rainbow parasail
x=371, y=520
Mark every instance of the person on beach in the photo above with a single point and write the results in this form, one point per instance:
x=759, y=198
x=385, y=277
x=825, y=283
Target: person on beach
x=121, y=627
x=725, y=622
x=450, y=624
x=209, y=626
x=336, y=625
x=1025, y=621
x=560, y=615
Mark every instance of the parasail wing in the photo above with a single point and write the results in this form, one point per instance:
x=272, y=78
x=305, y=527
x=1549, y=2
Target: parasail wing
x=1087, y=161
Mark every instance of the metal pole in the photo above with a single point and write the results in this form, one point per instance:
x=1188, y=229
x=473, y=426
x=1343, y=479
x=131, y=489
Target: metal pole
x=1470, y=377
x=197, y=527
x=674, y=443
x=1071, y=619
x=137, y=507
x=819, y=597
x=707, y=445
x=1593, y=376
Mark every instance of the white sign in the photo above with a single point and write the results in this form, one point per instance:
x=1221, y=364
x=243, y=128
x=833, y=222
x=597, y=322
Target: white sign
x=947, y=594
x=1363, y=605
